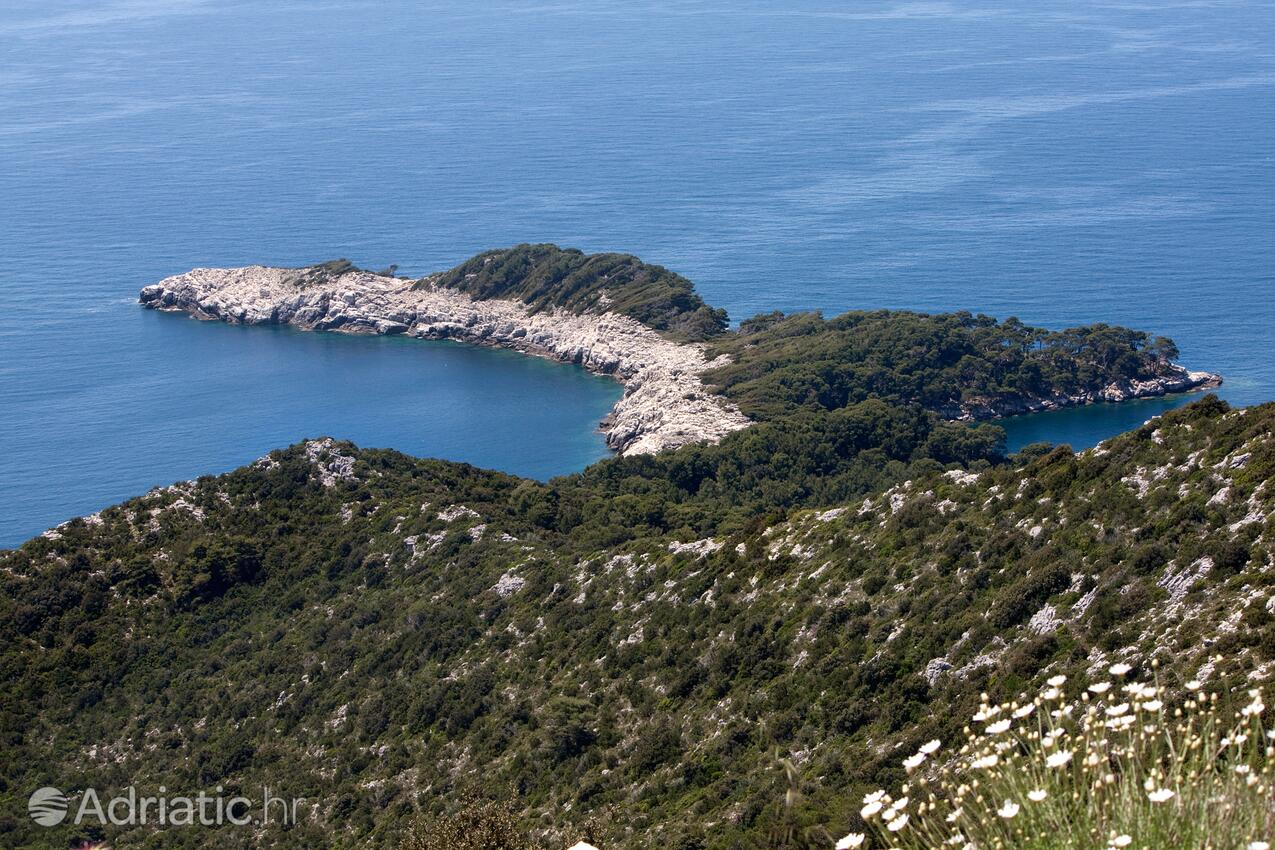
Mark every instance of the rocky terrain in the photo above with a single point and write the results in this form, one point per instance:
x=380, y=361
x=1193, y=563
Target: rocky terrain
x=664, y=405
x=1177, y=380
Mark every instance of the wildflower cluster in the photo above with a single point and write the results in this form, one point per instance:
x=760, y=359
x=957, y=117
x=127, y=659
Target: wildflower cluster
x=1109, y=766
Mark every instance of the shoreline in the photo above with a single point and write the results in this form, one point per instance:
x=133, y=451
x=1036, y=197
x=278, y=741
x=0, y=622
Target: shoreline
x=1181, y=382
x=665, y=404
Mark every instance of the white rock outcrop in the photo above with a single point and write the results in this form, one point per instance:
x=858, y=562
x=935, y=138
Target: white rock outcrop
x=665, y=403
x=1176, y=379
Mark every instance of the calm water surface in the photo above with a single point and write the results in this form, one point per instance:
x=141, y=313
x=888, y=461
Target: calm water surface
x=1064, y=162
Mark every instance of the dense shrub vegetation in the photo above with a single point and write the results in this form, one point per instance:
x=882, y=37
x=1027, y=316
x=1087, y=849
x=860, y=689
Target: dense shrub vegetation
x=810, y=458
x=783, y=363
x=387, y=636
x=546, y=276
x=318, y=275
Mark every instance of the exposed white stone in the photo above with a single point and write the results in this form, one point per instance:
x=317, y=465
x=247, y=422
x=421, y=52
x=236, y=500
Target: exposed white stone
x=455, y=512
x=934, y=668
x=1177, y=583
x=1082, y=604
x=960, y=476
x=509, y=584
x=665, y=404
x=698, y=548
x=1045, y=621
x=331, y=465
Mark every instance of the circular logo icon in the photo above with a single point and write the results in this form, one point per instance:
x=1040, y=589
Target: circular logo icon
x=47, y=806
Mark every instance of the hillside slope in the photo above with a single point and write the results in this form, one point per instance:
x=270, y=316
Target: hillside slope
x=379, y=634
x=546, y=276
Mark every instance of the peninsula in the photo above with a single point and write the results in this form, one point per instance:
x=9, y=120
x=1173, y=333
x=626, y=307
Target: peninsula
x=620, y=654
x=687, y=378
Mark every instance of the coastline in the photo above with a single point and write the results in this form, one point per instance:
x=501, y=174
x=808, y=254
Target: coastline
x=1180, y=381
x=665, y=403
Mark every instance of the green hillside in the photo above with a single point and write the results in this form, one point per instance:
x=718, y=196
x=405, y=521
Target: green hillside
x=383, y=635
x=945, y=361
x=546, y=276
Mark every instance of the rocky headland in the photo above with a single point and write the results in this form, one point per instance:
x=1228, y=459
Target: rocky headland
x=665, y=404
x=687, y=379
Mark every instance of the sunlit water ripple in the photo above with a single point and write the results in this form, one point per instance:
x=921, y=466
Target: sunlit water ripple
x=1064, y=162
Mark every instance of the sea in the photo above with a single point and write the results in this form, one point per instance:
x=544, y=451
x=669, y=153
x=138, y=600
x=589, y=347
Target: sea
x=1062, y=161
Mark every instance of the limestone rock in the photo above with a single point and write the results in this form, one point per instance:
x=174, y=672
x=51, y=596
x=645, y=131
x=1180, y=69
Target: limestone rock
x=665, y=403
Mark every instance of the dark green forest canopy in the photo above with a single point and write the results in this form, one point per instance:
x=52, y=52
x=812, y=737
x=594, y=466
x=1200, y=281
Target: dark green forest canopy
x=781, y=363
x=546, y=276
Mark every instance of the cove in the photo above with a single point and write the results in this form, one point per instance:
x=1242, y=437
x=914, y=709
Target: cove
x=1085, y=427
x=195, y=398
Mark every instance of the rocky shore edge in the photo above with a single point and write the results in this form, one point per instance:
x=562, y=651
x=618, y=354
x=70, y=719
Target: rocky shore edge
x=665, y=403
x=1178, y=379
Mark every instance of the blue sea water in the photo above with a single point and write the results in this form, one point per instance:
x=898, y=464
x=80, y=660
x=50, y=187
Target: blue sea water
x=1064, y=161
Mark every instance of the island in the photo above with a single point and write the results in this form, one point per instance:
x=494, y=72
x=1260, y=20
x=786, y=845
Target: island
x=687, y=377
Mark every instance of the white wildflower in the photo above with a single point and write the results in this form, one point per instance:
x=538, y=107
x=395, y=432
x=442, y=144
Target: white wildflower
x=1058, y=759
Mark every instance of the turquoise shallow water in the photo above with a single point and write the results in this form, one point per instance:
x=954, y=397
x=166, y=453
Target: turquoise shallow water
x=1064, y=162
